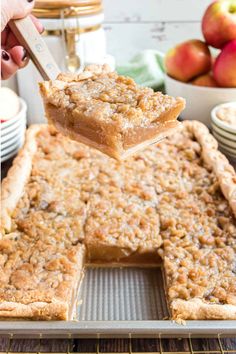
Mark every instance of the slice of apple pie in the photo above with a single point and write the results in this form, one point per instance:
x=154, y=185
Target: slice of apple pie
x=109, y=112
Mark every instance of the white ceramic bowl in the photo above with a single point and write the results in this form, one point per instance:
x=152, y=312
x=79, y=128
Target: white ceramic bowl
x=221, y=124
x=227, y=150
x=12, y=153
x=8, y=149
x=199, y=100
x=224, y=133
x=12, y=129
x=12, y=133
x=230, y=156
x=20, y=115
x=227, y=142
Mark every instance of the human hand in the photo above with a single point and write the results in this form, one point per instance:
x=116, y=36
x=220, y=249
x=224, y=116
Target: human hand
x=13, y=55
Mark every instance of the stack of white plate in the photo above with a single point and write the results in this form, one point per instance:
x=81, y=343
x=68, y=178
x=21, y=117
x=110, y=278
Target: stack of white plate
x=224, y=133
x=12, y=133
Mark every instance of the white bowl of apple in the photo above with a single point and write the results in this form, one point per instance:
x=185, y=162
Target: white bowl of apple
x=192, y=72
x=200, y=100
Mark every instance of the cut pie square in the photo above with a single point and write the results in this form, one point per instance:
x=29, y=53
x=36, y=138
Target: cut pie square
x=125, y=228
x=201, y=281
x=109, y=112
x=39, y=279
x=63, y=202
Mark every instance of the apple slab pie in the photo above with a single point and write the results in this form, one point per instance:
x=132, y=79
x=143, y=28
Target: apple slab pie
x=109, y=112
x=64, y=204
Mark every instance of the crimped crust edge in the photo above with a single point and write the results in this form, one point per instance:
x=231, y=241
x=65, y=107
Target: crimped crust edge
x=13, y=184
x=196, y=309
x=214, y=159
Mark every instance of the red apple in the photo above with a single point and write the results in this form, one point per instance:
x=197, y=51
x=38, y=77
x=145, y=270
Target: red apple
x=188, y=60
x=219, y=23
x=205, y=80
x=224, y=69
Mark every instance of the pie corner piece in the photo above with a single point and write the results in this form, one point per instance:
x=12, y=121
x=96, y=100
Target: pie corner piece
x=44, y=304
x=109, y=112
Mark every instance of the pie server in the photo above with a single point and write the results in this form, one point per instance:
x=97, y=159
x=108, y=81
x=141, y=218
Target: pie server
x=26, y=33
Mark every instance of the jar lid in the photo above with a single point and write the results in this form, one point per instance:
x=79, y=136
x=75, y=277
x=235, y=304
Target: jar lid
x=67, y=8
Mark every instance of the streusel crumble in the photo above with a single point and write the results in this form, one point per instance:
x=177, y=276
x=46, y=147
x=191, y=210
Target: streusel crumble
x=174, y=201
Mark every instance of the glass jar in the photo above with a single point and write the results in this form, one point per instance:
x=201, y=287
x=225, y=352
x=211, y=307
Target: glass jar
x=74, y=35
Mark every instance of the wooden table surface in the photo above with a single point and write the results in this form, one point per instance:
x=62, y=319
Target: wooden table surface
x=174, y=346
x=163, y=346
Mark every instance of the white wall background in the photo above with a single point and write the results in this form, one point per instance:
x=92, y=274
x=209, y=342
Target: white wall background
x=134, y=25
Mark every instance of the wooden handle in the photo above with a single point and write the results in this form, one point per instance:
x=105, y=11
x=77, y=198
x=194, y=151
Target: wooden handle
x=30, y=39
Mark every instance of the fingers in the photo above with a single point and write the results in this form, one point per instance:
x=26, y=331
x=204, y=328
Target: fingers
x=37, y=24
x=13, y=60
x=14, y=56
x=8, y=38
x=14, y=9
x=19, y=56
x=8, y=66
x=4, y=35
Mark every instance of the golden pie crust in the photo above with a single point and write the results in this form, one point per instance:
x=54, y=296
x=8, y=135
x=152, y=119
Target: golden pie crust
x=63, y=202
x=109, y=112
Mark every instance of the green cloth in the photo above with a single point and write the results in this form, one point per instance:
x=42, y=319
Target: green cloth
x=146, y=68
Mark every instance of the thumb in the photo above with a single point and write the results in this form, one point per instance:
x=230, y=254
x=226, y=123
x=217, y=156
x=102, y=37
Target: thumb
x=14, y=9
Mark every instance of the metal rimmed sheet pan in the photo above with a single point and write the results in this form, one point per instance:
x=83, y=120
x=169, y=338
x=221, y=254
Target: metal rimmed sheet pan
x=120, y=302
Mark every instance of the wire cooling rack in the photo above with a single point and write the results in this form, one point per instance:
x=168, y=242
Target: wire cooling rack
x=127, y=346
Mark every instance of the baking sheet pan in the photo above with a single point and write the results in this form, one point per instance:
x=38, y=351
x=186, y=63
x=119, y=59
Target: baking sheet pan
x=119, y=302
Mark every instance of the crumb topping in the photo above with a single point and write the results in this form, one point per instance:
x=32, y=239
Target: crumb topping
x=164, y=199
x=109, y=97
